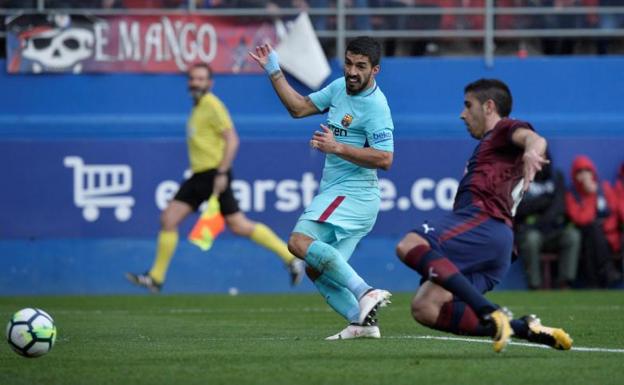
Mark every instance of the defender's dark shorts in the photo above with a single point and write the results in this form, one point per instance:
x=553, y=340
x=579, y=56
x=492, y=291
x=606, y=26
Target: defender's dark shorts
x=198, y=189
x=479, y=245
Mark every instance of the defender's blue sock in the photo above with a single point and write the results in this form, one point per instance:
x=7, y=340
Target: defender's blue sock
x=328, y=261
x=339, y=298
x=520, y=328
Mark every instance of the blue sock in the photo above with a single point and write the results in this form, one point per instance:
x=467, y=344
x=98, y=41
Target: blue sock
x=339, y=298
x=520, y=328
x=328, y=261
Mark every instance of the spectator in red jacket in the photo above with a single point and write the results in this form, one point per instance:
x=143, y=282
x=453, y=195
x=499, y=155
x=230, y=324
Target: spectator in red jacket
x=619, y=188
x=619, y=191
x=592, y=207
x=616, y=232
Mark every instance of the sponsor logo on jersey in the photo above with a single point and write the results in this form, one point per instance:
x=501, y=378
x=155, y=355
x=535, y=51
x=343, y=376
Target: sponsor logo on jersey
x=338, y=131
x=382, y=136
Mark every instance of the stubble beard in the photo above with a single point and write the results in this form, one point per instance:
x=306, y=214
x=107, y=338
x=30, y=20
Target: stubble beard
x=360, y=86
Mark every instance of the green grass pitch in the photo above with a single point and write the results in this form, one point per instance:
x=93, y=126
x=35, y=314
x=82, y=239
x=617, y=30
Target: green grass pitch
x=278, y=339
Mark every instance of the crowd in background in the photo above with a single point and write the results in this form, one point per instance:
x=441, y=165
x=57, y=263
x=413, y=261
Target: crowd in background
x=444, y=21
x=581, y=225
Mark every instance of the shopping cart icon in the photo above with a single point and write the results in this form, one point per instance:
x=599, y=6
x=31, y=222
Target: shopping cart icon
x=96, y=186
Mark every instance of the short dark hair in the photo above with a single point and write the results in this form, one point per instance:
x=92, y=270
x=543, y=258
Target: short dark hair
x=206, y=66
x=366, y=46
x=485, y=89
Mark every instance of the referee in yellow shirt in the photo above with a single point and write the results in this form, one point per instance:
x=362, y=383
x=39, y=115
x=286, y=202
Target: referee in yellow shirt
x=212, y=145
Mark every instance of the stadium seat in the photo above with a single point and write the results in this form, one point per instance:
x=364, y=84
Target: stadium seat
x=547, y=260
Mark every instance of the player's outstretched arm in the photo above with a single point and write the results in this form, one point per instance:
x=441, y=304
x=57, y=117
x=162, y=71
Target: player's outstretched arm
x=534, y=153
x=368, y=157
x=297, y=105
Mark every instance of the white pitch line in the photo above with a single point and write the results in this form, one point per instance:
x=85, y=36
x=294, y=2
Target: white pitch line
x=484, y=341
x=439, y=338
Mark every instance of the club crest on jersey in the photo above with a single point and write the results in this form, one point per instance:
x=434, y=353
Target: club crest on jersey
x=346, y=120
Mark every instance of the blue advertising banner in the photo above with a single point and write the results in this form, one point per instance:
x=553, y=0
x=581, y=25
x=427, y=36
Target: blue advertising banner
x=117, y=188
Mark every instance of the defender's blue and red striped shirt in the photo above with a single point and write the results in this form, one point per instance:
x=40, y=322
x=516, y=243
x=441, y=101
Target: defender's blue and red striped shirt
x=493, y=171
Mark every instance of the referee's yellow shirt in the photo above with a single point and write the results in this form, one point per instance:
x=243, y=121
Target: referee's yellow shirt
x=209, y=119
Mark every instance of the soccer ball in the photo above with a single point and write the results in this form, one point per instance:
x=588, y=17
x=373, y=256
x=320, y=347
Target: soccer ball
x=31, y=332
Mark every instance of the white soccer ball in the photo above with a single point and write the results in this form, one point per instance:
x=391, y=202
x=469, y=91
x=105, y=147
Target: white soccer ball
x=31, y=332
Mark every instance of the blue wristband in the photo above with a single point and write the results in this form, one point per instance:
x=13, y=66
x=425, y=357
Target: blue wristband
x=272, y=65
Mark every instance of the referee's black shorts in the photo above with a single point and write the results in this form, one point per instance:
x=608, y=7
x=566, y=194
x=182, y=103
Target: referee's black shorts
x=198, y=189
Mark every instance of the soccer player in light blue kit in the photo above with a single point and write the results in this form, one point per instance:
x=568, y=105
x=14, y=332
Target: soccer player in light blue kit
x=357, y=139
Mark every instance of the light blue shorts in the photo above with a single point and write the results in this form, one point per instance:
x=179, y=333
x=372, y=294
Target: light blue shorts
x=339, y=220
x=326, y=232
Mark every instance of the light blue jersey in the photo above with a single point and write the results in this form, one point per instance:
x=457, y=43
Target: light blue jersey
x=361, y=120
x=349, y=197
